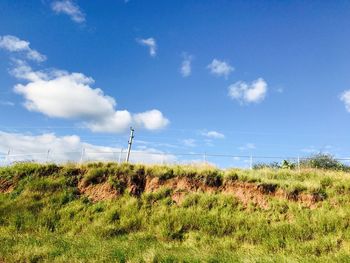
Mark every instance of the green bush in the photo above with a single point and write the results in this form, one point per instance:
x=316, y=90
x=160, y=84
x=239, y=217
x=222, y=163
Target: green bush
x=273, y=165
x=95, y=175
x=323, y=161
x=119, y=184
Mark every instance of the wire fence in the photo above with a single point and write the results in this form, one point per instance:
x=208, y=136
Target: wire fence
x=147, y=157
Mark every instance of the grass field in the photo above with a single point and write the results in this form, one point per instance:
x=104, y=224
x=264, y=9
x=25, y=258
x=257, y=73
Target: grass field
x=133, y=213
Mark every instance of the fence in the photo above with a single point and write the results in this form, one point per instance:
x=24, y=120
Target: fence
x=147, y=157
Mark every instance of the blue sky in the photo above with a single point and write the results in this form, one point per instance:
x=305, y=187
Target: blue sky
x=234, y=77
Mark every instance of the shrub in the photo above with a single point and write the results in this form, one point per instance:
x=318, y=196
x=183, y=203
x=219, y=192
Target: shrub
x=273, y=165
x=231, y=176
x=160, y=171
x=211, y=177
x=267, y=188
x=119, y=184
x=94, y=175
x=162, y=193
x=47, y=184
x=323, y=161
x=287, y=165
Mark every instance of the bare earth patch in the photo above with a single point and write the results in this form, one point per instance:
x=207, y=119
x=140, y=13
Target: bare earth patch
x=6, y=186
x=98, y=192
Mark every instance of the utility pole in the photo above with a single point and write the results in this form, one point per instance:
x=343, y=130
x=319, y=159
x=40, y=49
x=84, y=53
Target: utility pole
x=129, y=144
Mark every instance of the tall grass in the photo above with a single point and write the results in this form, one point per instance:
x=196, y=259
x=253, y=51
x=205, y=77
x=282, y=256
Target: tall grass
x=46, y=218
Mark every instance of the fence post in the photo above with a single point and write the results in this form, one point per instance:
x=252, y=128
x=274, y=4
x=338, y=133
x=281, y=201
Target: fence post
x=251, y=162
x=82, y=155
x=298, y=164
x=7, y=158
x=163, y=158
x=205, y=158
x=120, y=155
x=47, y=156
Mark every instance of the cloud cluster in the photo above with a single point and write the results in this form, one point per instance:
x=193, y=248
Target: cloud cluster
x=151, y=120
x=14, y=44
x=150, y=43
x=345, y=98
x=60, y=94
x=213, y=135
x=220, y=68
x=49, y=147
x=68, y=7
x=248, y=92
x=186, y=67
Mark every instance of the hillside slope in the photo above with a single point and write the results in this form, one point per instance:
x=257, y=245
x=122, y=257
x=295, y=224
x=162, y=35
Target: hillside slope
x=133, y=213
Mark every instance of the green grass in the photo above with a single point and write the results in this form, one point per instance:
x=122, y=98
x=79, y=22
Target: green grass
x=45, y=218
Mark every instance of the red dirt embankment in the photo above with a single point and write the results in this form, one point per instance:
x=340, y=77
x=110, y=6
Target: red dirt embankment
x=245, y=192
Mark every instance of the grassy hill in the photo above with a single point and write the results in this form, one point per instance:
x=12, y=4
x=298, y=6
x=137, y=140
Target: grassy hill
x=133, y=213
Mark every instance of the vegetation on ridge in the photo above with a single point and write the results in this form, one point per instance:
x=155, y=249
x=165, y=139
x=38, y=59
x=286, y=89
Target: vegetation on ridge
x=46, y=214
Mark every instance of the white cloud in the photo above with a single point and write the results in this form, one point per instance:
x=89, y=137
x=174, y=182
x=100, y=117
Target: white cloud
x=220, y=68
x=151, y=120
x=66, y=96
x=248, y=92
x=150, y=43
x=189, y=142
x=186, y=67
x=248, y=146
x=60, y=94
x=120, y=120
x=14, y=44
x=214, y=135
x=49, y=147
x=345, y=97
x=69, y=8
x=6, y=103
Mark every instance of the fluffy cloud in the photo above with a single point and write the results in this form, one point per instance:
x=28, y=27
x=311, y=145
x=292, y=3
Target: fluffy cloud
x=69, y=8
x=150, y=43
x=14, y=44
x=214, y=135
x=66, y=96
x=60, y=94
x=120, y=120
x=345, y=97
x=220, y=68
x=186, y=66
x=248, y=92
x=151, y=120
x=49, y=147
